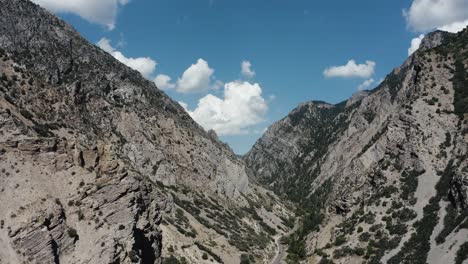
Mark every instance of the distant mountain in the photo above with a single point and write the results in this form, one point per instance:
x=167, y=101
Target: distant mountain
x=382, y=177
x=99, y=166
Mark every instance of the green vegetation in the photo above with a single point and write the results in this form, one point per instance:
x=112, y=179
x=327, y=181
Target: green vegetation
x=432, y=101
x=324, y=125
x=393, y=83
x=340, y=240
x=182, y=224
x=247, y=259
x=374, y=139
x=452, y=220
x=377, y=249
x=288, y=222
x=404, y=215
x=416, y=248
x=173, y=260
x=409, y=180
x=348, y=251
x=311, y=217
x=209, y=252
x=460, y=84
x=311, y=221
x=369, y=115
x=226, y=223
x=462, y=253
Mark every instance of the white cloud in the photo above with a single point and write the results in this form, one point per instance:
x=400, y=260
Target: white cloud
x=351, y=69
x=102, y=12
x=246, y=70
x=184, y=105
x=260, y=131
x=415, y=43
x=242, y=107
x=217, y=85
x=105, y=44
x=163, y=82
x=455, y=27
x=196, y=78
x=425, y=15
x=145, y=65
x=366, y=84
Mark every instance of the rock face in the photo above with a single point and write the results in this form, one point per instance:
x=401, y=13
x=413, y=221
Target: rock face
x=93, y=157
x=383, y=176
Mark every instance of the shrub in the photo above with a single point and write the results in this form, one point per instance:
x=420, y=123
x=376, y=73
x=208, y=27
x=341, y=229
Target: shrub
x=340, y=240
x=364, y=237
x=208, y=251
x=343, y=252
x=460, y=82
x=462, y=253
x=452, y=219
x=416, y=248
x=246, y=259
x=171, y=260
x=73, y=233
x=359, y=251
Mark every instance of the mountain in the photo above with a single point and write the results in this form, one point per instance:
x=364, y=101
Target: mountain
x=383, y=176
x=99, y=166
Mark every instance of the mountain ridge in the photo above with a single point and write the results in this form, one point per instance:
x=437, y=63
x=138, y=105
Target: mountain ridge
x=374, y=162
x=100, y=166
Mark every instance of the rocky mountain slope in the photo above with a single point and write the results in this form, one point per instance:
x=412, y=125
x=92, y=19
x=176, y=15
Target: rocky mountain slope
x=383, y=176
x=99, y=166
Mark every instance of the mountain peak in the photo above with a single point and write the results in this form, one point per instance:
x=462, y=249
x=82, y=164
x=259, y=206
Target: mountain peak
x=434, y=39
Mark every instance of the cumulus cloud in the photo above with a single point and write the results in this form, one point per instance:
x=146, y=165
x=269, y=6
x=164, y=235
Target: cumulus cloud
x=415, y=43
x=145, y=65
x=102, y=12
x=163, y=82
x=184, y=105
x=351, y=69
x=196, y=78
x=241, y=107
x=455, y=27
x=425, y=15
x=366, y=84
x=246, y=70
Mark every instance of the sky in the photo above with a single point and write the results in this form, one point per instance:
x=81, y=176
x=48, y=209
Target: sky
x=239, y=66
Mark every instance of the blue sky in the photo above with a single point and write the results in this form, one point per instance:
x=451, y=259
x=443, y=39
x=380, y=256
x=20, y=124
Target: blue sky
x=288, y=43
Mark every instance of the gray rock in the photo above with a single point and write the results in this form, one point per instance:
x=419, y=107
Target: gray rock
x=394, y=147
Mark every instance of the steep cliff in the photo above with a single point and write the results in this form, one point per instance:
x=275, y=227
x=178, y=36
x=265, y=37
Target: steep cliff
x=99, y=166
x=383, y=176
